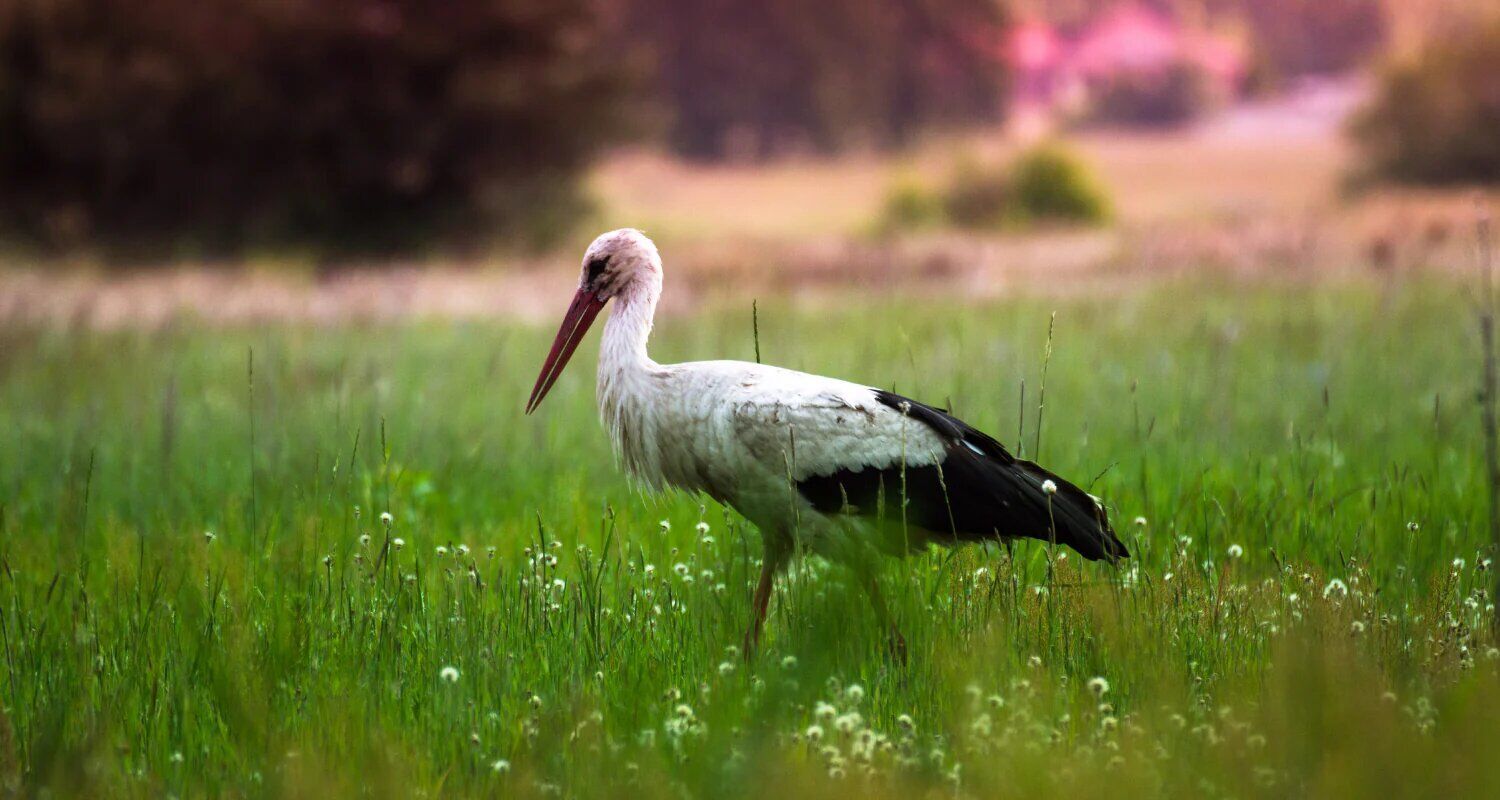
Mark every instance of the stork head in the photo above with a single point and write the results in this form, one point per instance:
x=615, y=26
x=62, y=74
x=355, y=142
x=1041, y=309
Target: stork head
x=615, y=263
x=618, y=259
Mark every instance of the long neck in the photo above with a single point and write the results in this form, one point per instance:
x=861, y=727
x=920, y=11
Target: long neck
x=625, y=381
x=623, y=348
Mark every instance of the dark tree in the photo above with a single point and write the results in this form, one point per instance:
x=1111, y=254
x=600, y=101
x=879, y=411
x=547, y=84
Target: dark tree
x=361, y=124
x=754, y=77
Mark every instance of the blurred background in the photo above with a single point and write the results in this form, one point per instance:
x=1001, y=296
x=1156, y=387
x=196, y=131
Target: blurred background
x=334, y=159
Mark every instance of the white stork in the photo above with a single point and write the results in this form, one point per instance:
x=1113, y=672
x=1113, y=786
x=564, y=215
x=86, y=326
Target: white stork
x=810, y=460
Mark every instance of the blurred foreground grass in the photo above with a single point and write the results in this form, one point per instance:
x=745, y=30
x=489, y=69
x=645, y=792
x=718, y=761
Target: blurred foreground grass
x=188, y=605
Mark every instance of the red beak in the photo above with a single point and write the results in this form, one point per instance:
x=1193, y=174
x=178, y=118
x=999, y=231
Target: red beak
x=575, y=324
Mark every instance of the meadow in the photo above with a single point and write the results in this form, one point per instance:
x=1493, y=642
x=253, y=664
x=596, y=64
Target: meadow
x=301, y=560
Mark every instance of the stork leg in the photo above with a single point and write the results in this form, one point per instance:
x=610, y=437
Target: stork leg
x=776, y=557
x=897, y=642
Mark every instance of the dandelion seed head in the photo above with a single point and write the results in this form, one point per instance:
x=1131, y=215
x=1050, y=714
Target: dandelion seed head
x=789, y=662
x=1099, y=686
x=398, y=543
x=1049, y=487
x=1235, y=551
x=1336, y=587
x=386, y=519
x=449, y=674
x=500, y=766
x=814, y=733
x=208, y=536
x=1140, y=522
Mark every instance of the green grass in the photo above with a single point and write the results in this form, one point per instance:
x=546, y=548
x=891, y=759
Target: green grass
x=1311, y=427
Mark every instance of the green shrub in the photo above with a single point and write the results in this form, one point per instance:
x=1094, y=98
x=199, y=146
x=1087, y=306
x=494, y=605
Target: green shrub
x=1435, y=119
x=910, y=205
x=978, y=196
x=1050, y=183
x=332, y=124
x=1045, y=184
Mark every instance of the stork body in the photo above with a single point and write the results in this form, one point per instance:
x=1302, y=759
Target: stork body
x=812, y=461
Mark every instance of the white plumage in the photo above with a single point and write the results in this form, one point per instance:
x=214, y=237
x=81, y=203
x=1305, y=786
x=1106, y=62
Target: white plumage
x=806, y=458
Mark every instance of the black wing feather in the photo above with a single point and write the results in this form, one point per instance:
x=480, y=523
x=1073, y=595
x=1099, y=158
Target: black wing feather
x=979, y=491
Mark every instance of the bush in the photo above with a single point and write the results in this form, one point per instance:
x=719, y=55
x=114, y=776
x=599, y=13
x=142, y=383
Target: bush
x=1045, y=184
x=977, y=196
x=1050, y=183
x=1435, y=119
x=910, y=205
x=348, y=124
x=1152, y=98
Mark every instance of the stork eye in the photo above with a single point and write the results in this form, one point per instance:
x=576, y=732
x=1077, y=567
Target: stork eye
x=596, y=268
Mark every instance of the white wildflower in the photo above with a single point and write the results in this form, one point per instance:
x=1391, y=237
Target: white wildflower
x=1049, y=487
x=386, y=519
x=1336, y=587
x=1140, y=522
x=1099, y=686
x=1235, y=551
x=501, y=766
x=449, y=674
